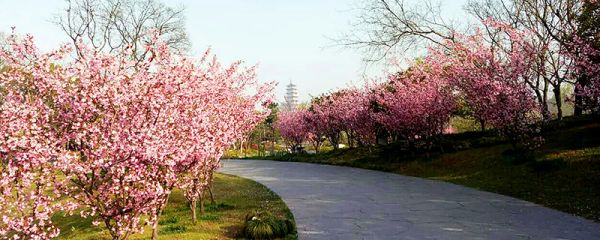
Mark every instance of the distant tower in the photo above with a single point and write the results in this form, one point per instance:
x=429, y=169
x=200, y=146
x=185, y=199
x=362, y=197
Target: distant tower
x=291, y=97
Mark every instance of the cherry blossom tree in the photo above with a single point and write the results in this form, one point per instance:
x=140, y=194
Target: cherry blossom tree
x=325, y=112
x=491, y=79
x=234, y=114
x=350, y=109
x=122, y=133
x=29, y=146
x=356, y=112
x=414, y=105
x=316, y=130
x=293, y=127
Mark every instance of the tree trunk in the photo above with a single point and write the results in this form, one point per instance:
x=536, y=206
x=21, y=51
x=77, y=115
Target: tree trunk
x=349, y=138
x=558, y=98
x=543, y=100
x=155, y=224
x=212, y=197
x=113, y=234
x=482, y=124
x=546, y=112
x=158, y=214
x=334, y=139
x=155, y=230
x=272, y=146
x=201, y=199
x=193, y=208
x=578, y=108
x=317, y=145
x=545, y=104
x=242, y=148
x=381, y=138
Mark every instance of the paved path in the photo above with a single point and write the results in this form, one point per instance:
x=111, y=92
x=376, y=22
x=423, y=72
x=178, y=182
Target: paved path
x=331, y=202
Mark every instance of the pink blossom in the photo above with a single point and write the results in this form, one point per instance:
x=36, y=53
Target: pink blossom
x=122, y=134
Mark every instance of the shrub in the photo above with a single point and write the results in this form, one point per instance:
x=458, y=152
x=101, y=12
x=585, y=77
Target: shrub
x=266, y=226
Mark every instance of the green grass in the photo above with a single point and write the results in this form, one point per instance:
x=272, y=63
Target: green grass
x=236, y=197
x=564, y=173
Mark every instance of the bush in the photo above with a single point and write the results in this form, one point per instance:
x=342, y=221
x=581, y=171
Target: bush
x=266, y=226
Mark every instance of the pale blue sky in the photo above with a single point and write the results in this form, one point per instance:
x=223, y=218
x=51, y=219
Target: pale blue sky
x=288, y=39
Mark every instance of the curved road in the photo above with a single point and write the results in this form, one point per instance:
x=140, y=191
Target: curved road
x=331, y=202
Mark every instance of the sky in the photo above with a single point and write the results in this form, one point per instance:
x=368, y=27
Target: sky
x=290, y=40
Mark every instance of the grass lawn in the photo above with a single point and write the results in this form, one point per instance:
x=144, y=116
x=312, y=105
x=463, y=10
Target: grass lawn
x=563, y=174
x=235, y=198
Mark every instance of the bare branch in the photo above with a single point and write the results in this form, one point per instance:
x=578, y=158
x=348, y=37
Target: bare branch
x=386, y=26
x=110, y=25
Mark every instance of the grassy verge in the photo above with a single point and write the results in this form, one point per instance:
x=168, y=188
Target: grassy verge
x=235, y=198
x=563, y=174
